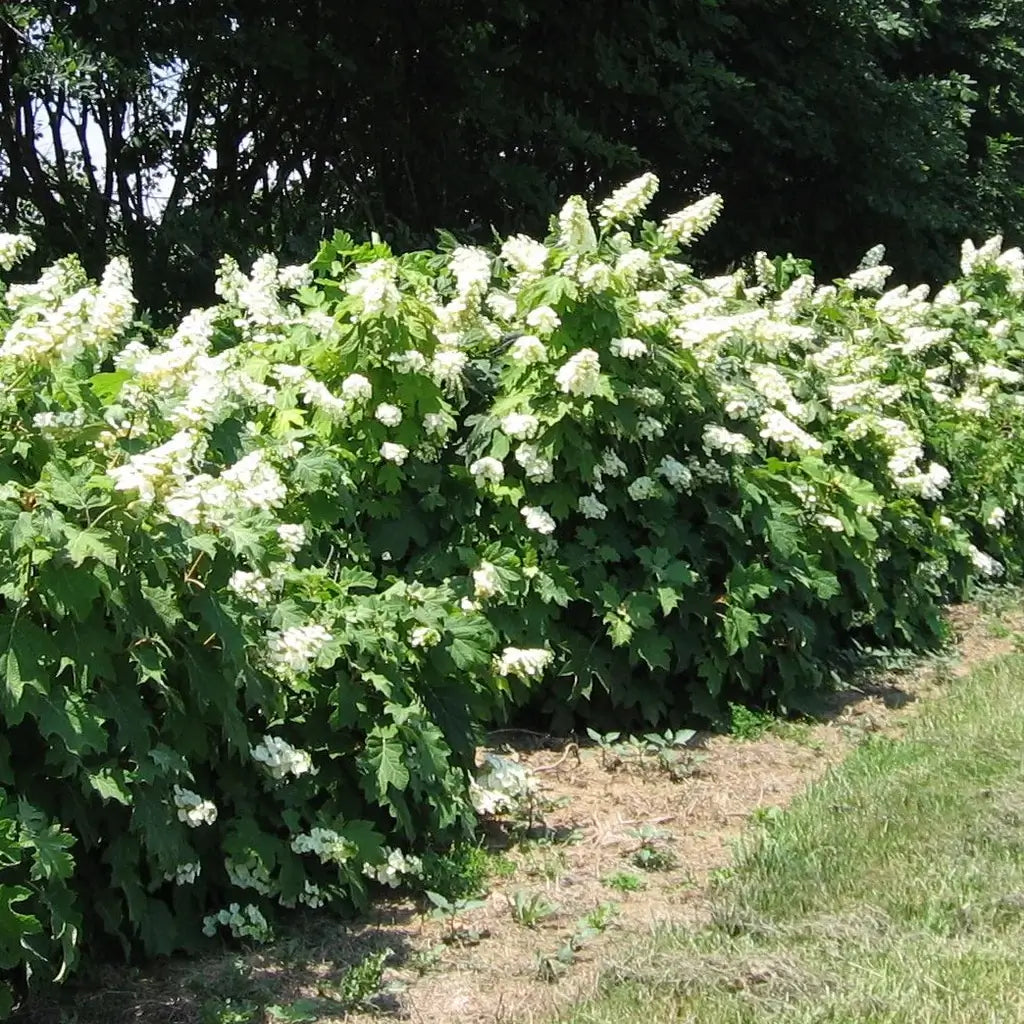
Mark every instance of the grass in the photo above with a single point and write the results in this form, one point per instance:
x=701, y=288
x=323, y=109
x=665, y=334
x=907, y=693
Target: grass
x=891, y=892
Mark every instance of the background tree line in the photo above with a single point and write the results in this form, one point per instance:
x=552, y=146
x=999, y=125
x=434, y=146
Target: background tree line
x=177, y=130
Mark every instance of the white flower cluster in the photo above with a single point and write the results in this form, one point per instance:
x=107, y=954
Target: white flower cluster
x=625, y=204
x=251, y=484
x=280, y=758
x=192, y=809
x=525, y=256
x=253, y=587
x=487, y=471
x=575, y=232
x=294, y=650
x=591, y=508
x=643, y=488
x=783, y=431
x=528, y=662
x=13, y=248
x=718, y=439
x=424, y=636
x=326, y=844
x=537, y=467
x=581, y=374
x=397, y=866
x=537, y=519
x=486, y=582
x=501, y=784
x=184, y=874
x=61, y=327
x=250, y=874
x=375, y=290
x=629, y=348
x=244, y=922
x=683, y=227
x=520, y=425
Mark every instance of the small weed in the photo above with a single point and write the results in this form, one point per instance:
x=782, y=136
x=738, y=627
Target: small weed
x=462, y=871
x=362, y=981
x=624, y=881
x=425, y=960
x=448, y=910
x=544, y=861
x=227, y=1011
x=530, y=909
x=650, y=858
x=748, y=723
x=601, y=917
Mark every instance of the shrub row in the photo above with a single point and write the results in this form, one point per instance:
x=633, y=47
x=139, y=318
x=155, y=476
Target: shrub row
x=263, y=578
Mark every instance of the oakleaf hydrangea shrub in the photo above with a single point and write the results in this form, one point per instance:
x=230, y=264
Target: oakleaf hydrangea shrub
x=264, y=577
x=202, y=683
x=689, y=491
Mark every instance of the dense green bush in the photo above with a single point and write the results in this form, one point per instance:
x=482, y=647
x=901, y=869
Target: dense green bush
x=262, y=578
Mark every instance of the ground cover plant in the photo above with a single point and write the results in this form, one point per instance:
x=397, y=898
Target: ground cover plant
x=265, y=575
x=890, y=891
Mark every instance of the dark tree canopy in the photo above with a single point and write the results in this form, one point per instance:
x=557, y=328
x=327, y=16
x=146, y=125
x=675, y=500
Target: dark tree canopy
x=178, y=130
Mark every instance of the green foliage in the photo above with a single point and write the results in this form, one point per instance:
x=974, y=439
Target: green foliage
x=748, y=723
x=530, y=908
x=624, y=881
x=263, y=578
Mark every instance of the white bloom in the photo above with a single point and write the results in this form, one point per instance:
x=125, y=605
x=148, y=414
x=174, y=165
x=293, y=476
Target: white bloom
x=395, y=866
x=629, y=348
x=424, y=636
x=537, y=519
x=244, y=922
x=295, y=649
x=997, y=518
x=527, y=349
x=675, y=473
x=524, y=255
x=435, y=423
x=544, y=320
x=581, y=374
x=292, y=536
x=642, y=488
x=184, y=874
x=12, y=248
x=520, y=425
x=389, y=415
x=410, y=361
x=871, y=279
x=649, y=428
x=251, y=586
x=948, y=296
x=591, y=508
x=575, y=232
x=612, y=465
x=872, y=258
x=324, y=843
x=501, y=305
x=280, y=758
x=193, y=809
x=830, y=523
x=782, y=430
x=528, y=662
x=356, y=388
x=447, y=365
x=718, y=439
x=486, y=581
x=537, y=468
x=487, y=470
x=375, y=289
x=396, y=453
x=986, y=564
x=682, y=227
x=625, y=204
x=596, y=278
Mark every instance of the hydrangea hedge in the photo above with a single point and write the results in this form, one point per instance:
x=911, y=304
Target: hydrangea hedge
x=262, y=578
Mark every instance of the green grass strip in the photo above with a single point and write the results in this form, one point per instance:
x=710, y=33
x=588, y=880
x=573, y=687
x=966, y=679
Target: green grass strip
x=893, y=891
